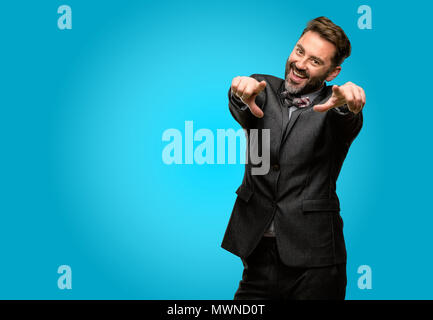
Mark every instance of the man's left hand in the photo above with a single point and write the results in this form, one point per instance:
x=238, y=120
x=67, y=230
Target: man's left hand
x=349, y=93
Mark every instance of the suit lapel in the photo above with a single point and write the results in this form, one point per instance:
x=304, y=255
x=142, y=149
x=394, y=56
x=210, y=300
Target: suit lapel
x=295, y=115
x=284, y=116
x=284, y=112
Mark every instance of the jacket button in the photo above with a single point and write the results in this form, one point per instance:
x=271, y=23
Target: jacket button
x=276, y=167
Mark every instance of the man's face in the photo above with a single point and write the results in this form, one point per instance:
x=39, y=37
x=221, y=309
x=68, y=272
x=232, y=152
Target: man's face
x=310, y=64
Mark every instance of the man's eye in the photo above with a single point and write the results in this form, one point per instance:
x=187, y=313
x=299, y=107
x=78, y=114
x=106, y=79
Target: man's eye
x=316, y=62
x=299, y=51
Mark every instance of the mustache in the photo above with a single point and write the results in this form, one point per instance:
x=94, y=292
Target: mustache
x=301, y=72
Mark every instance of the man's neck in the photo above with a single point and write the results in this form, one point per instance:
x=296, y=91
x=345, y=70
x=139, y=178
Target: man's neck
x=313, y=91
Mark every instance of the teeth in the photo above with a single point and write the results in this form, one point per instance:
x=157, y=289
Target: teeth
x=297, y=74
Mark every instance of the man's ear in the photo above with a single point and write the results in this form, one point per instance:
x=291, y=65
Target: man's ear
x=333, y=74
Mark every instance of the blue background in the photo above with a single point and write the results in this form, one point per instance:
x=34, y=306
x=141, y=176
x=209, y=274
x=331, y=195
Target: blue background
x=82, y=115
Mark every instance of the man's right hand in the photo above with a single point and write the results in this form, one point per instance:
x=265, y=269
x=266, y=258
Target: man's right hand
x=247, y=89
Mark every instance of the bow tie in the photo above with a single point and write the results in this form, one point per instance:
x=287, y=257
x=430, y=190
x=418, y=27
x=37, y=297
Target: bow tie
x=290, y=101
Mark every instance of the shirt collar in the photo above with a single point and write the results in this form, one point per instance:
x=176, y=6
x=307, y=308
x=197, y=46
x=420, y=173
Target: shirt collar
x=313, y=95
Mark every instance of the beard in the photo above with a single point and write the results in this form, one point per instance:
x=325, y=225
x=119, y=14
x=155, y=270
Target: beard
x=313, y=83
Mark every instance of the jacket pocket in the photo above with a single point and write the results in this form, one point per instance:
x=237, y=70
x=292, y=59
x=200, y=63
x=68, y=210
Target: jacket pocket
x=320, y=205
x=244, y=192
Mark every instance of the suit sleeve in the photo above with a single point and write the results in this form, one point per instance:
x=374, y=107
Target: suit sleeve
x=240, y=111
x=346, y=124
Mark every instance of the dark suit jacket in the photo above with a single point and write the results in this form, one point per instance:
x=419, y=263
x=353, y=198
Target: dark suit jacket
x=299, y=191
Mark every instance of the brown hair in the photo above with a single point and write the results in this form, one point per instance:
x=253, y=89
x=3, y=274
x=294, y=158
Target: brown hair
x=334, y=34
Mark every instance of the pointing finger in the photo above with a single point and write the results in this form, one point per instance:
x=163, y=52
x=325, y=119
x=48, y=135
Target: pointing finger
x=349, y=99
x=363, y=98
x=323, y=107
x=358, y=97
x=255, y=110
x=241, y=88
x=235, y=84
x=336, y=90
x=260, y=86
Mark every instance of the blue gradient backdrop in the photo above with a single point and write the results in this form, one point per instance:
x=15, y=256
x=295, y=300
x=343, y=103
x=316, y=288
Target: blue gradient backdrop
x=82, y=116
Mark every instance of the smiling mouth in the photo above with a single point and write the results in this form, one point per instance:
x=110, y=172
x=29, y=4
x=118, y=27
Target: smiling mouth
x=296, y=76
x=299, y=75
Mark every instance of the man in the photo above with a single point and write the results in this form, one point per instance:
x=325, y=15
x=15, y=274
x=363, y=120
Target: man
x=286, y=225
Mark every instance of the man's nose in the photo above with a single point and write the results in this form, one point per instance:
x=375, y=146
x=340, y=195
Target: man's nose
x=301, y=64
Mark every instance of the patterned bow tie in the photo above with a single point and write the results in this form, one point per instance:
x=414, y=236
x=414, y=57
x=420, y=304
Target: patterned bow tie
x=290, y=101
